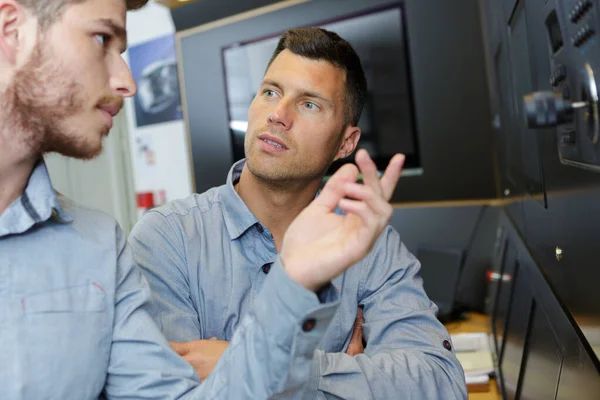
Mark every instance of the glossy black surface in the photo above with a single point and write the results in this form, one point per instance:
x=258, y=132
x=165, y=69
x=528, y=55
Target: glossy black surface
x=548, y=332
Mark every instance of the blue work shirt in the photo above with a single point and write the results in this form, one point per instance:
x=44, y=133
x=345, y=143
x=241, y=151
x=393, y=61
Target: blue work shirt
x=207, y=257
x=74, y=321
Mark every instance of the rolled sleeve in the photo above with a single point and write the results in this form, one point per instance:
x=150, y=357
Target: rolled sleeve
x=158, y=250
x=405, y=354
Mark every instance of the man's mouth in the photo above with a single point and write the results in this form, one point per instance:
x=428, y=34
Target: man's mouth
x=111, y=109
x=273, y=141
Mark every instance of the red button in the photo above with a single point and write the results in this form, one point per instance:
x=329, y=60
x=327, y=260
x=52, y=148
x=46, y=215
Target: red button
x=309, y=324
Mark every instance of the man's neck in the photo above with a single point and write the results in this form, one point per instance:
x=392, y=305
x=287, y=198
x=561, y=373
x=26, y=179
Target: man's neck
x=275, y=208
x=16, y=165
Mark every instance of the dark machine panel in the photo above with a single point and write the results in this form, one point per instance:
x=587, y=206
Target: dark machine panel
x=579, y=378
x=541, y=349
x=542, y=361
x=522, y=73
x=504, y=292
x=544, y=106
x=571, y=102
x=516, y=331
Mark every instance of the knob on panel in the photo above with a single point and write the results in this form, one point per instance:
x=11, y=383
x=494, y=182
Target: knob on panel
x=547, y=109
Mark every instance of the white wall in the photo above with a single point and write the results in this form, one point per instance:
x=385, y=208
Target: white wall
x=172, y=170
x=104, y=183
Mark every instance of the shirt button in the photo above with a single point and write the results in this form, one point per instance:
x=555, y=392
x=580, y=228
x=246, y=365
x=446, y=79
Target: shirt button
x=259, y=228
x=309, y=324
x=447, y=345
x=266, y=268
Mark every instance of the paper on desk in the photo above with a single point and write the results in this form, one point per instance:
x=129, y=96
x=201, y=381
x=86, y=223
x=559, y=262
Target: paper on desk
x=474, y=353
x=477, y=379
x=478, y=341
x=476, y=362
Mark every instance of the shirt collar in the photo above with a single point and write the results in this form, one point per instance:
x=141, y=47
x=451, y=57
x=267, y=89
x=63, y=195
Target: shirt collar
x=37, y=204
x=237, y=215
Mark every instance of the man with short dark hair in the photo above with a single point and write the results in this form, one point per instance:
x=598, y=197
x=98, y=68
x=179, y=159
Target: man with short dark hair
x=207, y=256
x=74, y=320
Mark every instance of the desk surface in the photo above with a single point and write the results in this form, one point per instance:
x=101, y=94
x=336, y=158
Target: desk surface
x=476, y=323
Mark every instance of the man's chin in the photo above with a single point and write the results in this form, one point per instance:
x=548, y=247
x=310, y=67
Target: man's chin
x=79, y=152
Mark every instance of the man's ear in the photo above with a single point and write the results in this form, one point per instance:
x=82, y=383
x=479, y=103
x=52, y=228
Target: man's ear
x=12, y=17
x=349, y=141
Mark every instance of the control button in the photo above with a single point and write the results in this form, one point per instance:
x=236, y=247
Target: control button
x=582, y=36
x=309, y=324
x=547, y=109
x=579, y=10
x=266, y=268
x=447, y=345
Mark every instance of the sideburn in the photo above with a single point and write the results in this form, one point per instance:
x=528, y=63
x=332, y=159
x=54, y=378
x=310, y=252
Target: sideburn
x=39, y=98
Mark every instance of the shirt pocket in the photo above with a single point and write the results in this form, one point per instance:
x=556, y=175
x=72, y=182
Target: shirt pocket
x=83, y=298
x=69, y=330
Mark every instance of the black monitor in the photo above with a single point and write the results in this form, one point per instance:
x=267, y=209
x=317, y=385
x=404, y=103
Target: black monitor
x=379, y=38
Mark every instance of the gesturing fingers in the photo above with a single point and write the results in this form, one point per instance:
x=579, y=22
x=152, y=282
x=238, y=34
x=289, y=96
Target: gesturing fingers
x=369, y=171
x=371, y=208
x=334, y=188
x=368, y=195
x=392, y=174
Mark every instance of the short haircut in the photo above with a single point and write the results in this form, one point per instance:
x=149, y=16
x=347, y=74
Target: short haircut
x=322, y=45
x=50, y=11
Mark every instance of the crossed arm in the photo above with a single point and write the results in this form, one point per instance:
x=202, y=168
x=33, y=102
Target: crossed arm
x=204, y=354
x=405, y=349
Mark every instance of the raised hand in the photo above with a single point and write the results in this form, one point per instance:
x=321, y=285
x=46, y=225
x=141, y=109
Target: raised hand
x=319, y=244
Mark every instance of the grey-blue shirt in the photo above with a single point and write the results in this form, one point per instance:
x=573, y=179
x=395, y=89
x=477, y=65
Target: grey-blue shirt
x=207, y=258
x=74, y=320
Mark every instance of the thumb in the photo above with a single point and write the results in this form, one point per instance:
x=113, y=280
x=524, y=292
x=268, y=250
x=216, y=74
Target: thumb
x=180, y=348
x=333, y=191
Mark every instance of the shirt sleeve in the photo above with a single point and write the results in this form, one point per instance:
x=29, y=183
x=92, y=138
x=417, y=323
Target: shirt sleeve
x=141, y=364
x=270, y=352
x=159, y=251
x=408, y=354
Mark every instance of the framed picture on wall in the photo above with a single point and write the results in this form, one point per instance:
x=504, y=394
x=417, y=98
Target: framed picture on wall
x=154, y=68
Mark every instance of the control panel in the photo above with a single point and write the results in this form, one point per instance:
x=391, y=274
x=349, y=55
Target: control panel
x=573, y=32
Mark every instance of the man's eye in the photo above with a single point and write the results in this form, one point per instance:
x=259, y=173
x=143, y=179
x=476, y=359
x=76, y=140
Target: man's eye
x=102, y=39
x=269, y=93
x=311, y=106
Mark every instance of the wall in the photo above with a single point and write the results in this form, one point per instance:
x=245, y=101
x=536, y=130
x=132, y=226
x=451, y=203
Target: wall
x=104, y=183
x=171, y=171
x=201, y=12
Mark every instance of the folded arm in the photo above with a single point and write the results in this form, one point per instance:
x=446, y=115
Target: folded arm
x=405, y=356
x=269, y=353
